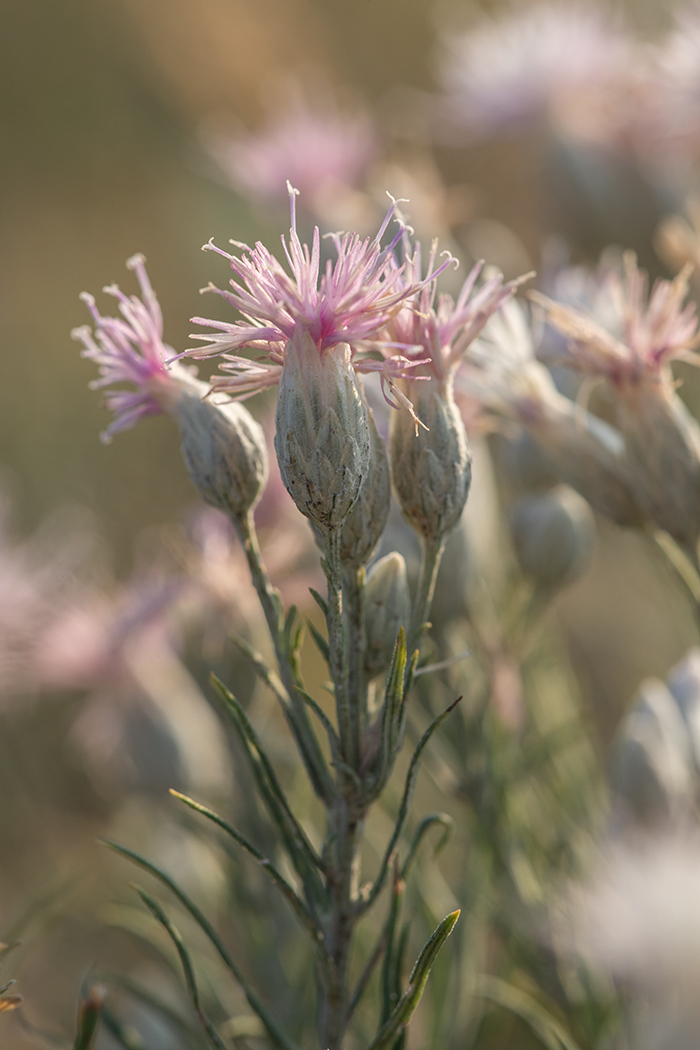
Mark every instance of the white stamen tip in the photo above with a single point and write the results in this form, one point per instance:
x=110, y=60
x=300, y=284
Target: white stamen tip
x=135, y=260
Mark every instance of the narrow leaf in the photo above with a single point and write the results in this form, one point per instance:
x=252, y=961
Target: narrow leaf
x=278, y=1036
x=447, y=824
x=279, y=880
x=405, y=803
x=321, y=643
x=89, y=1018
x=553, y=1035
x=188, y=970
x=321, y=602
x=401, y=1014
x=303, y=856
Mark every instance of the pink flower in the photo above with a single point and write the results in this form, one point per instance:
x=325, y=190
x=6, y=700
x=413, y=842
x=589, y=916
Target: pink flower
x=347, y=302
x=437, y=330
x=321, y=150
x=130, y=349
x=652, y=329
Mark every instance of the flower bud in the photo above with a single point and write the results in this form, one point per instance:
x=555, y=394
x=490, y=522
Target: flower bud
x=553, y=535
x=224, y=451
x=651, y=773
x=323, y=437
x=431, y=469
x=365, y=523
x=662, y=446
x=684, y=684
x=387, y=607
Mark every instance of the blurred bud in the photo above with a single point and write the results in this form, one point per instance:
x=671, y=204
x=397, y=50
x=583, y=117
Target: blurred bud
x=224, y=451
x=553, y=536
x=684, y=684
x=387, y=607
x=650, y=773
x=662, y=444
x=323, y=437
x=366, y=521
x=431, y=469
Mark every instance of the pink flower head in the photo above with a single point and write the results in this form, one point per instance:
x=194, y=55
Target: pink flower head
x=437, y=330
x=129, y=349
x=319, y=149
x=348, y=302
x=653, y=328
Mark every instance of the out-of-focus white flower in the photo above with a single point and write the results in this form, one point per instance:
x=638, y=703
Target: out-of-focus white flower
x=558, y=61
x=672, y=111
x=638, y=916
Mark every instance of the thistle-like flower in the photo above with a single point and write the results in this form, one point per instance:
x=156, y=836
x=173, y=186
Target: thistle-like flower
x=130, y=349
x=505, y=378
x=321, y=149
x=311, y=326
x=662, y=440
x=431, y=468
x=223, y=446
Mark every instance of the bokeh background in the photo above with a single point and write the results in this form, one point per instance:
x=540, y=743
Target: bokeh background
x=103, y=109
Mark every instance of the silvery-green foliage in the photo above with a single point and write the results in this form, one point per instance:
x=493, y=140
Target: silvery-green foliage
x=387, y=608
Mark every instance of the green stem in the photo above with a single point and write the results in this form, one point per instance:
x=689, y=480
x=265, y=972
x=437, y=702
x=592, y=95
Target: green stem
x=354, y=597
x=431, y=553
x=338, y=648
x=295, y=712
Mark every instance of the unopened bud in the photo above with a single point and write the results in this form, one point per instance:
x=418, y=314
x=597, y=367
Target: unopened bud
x=553, y=535
x=366, y=521
x=224, y=451
x=430, y=469
x=651, y=773
x=323, y=437
x=662, y=449
x=684, y=684
x=387, y=608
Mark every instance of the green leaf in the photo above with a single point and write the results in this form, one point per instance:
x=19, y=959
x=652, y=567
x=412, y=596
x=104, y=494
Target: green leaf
x=286, y=890
x=403, y=1010
x=188, y=970
x=321, y=643
x=405, y=803
x=321, y=602
x=89, y=1012
x=304, y=858
x=447, y=824
x=552, y=1034
x=276, y=1033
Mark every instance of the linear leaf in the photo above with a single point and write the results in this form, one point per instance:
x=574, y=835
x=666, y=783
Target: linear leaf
x=401, y=1014
x=89, y=1018
x=553, y=1035
x=321, y=602
x=286, y=890
x=321, y=643
x=405, y=803
x=447, y=824
x=276, y=1033
x=188, y=970
x=303, y=856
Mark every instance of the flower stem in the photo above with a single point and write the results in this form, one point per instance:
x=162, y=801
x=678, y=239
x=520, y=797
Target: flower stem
x=431, y=554
x=295, y=711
